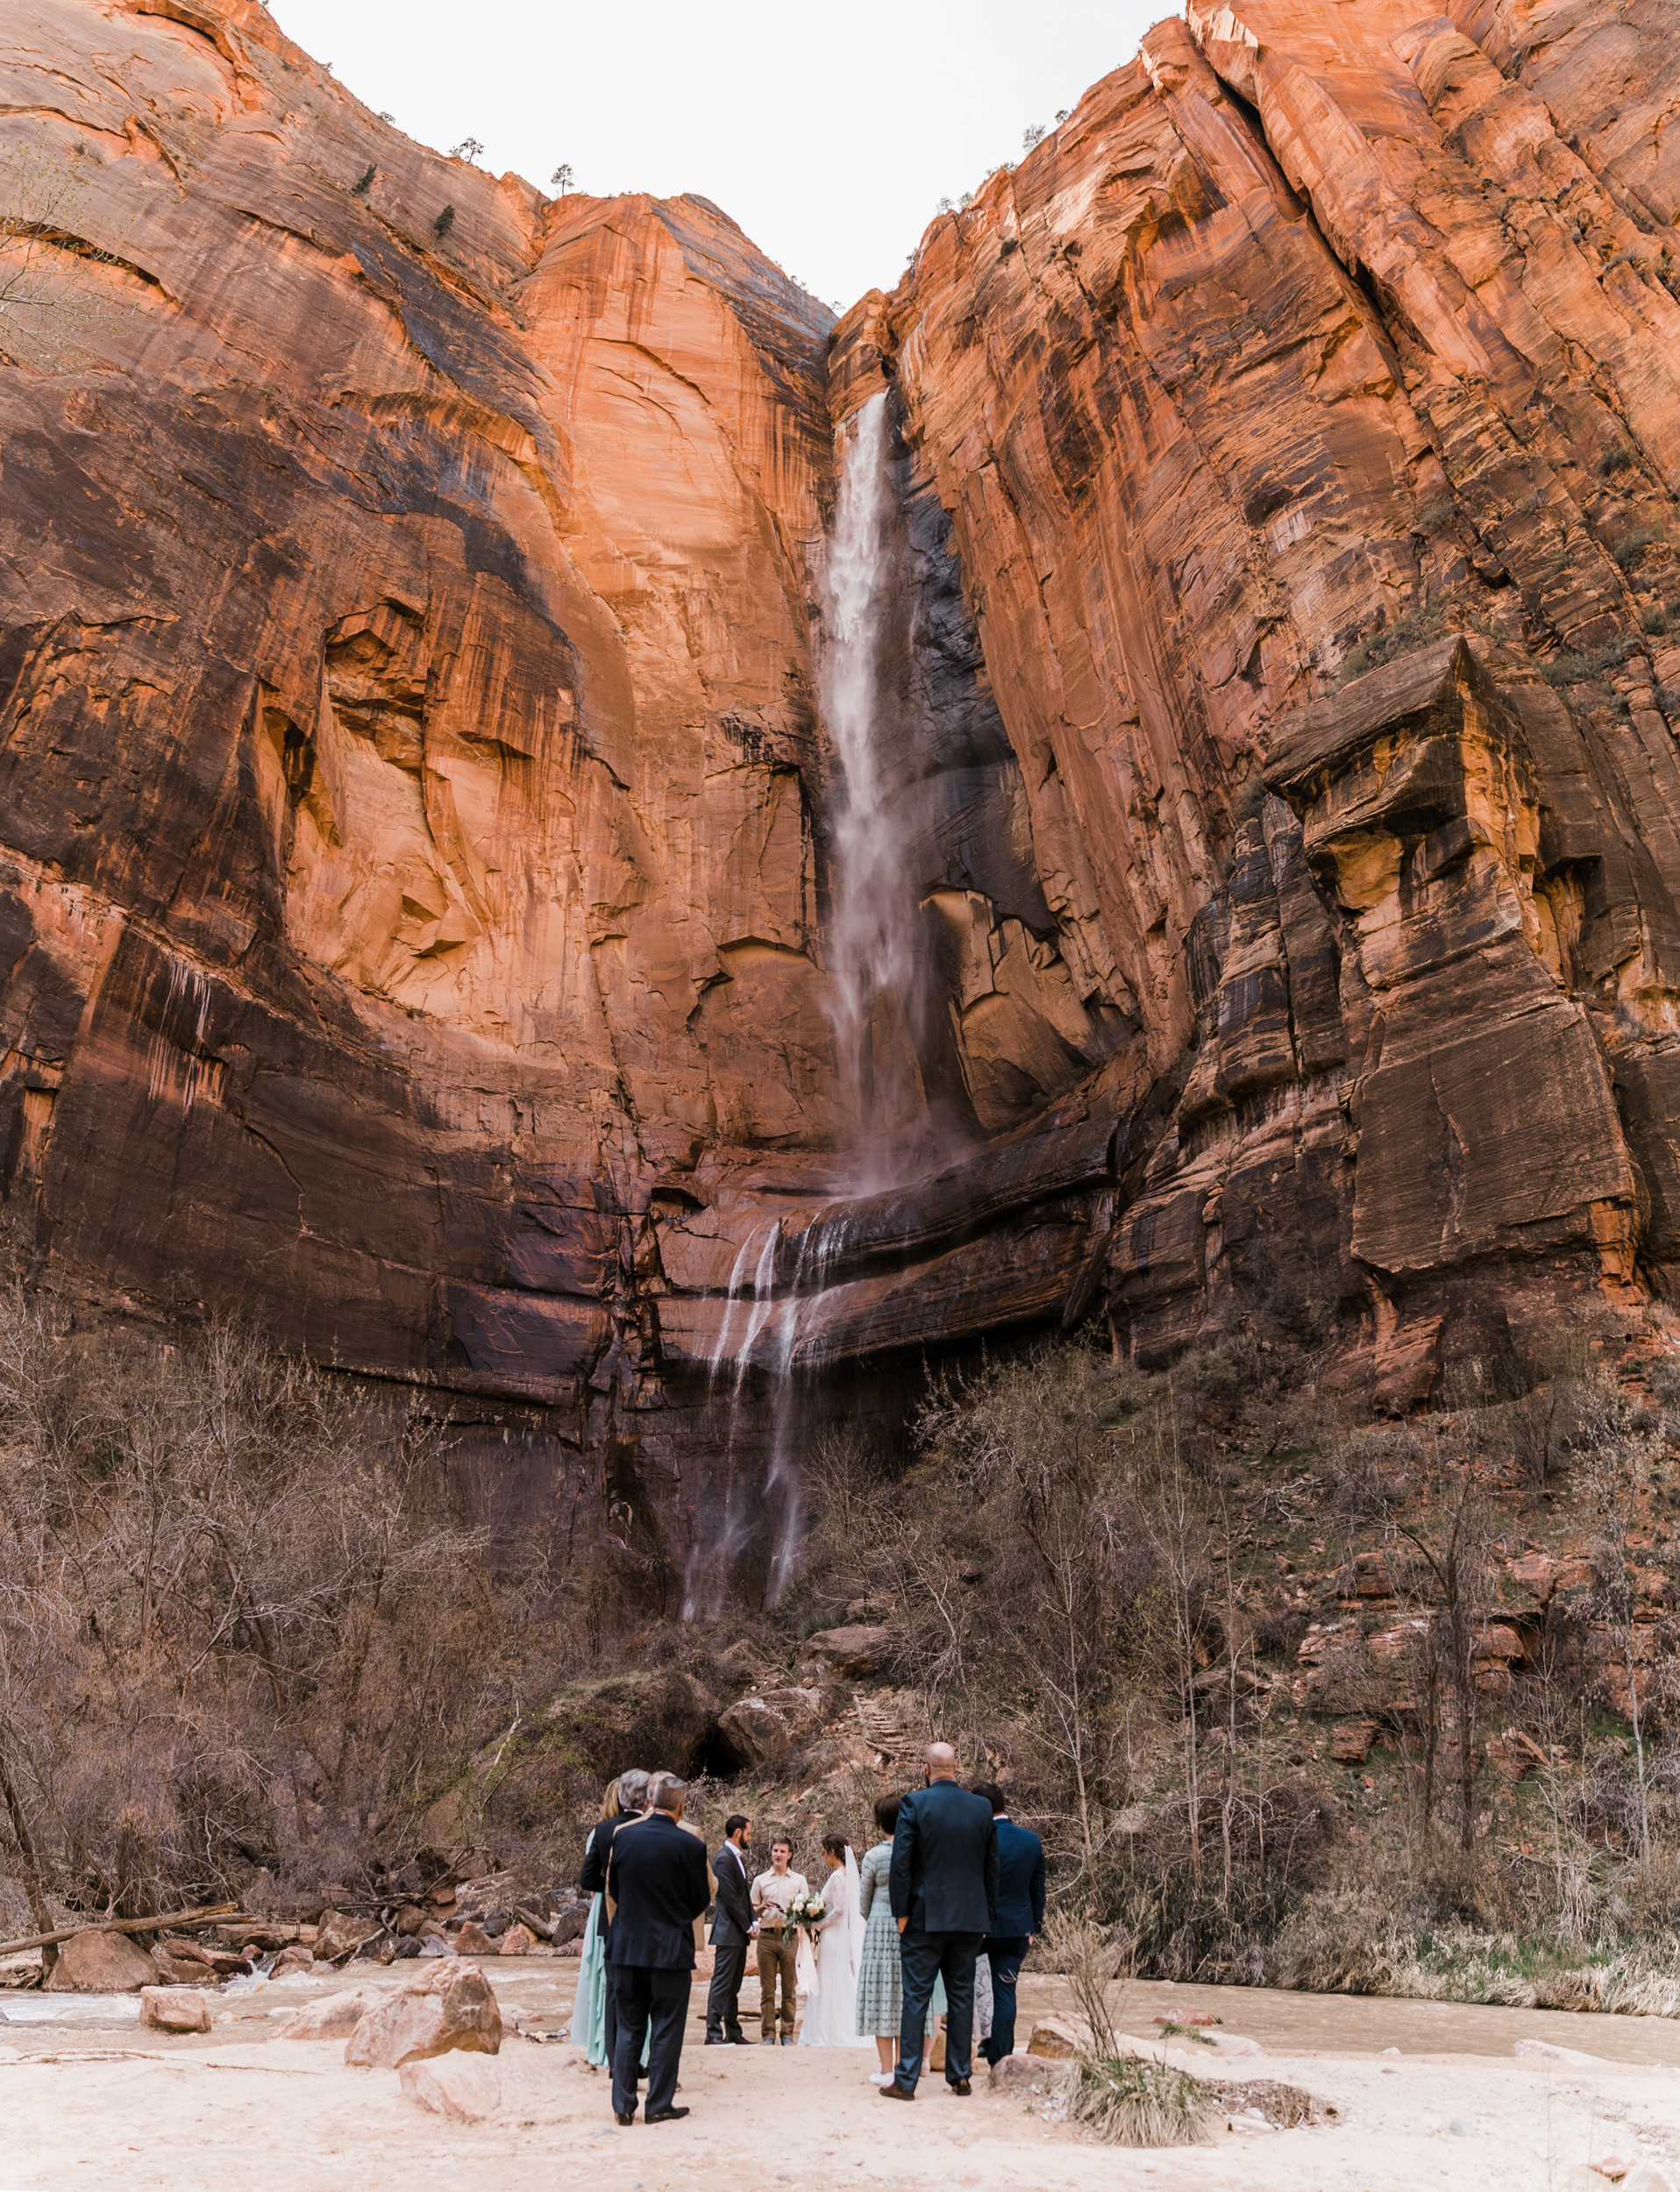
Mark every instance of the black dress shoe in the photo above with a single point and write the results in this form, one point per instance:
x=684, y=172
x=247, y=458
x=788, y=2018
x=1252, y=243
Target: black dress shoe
x=663, y=2116
x=719, y=2042
x=631, y=2119
x=896, y=2092
x=960, y=2085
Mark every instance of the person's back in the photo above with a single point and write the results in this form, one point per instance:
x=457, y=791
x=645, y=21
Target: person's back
x=1020, y=1880
x=656, y=1880
x=944, y=1861
x=944, y=1889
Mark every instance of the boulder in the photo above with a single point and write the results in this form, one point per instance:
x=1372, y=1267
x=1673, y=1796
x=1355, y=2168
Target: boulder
x=755, y=1730
x=174, y=2009
x=410, y=1919
x=98, y=1962
x=1647, y=2176
x=184, y=1963
x=518, y=1941
x=465, y=2088
x=1056, y=2039
x=855, y=1651
x=296, y=1958
x=569, y=1927
x=440, y=2008
x=1028, y=2073
x=472, y=1941
x=340, y=1935
x=1548, y=2051
x=335, y=2017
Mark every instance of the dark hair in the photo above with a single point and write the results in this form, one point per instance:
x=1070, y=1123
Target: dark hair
x=734, y=1820
x=782, y=1841
x=886, y=1813
x=835, y=1846
x=992, y=1793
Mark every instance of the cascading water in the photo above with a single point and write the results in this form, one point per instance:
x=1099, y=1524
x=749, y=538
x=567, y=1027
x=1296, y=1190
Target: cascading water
x=873, y=959
x=872, y=933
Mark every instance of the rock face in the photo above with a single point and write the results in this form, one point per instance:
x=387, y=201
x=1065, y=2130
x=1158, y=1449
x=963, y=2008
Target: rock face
x=1305, y=411
x=414, y=807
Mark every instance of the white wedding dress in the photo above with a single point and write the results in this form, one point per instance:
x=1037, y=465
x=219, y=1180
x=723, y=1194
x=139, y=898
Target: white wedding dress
x=830, y=2005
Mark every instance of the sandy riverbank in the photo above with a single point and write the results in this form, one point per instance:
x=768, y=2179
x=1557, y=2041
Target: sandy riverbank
x=96, y=2102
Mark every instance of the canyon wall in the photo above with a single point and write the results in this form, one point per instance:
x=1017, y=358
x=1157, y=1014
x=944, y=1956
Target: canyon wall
x=414, y=806
x=1305, y=409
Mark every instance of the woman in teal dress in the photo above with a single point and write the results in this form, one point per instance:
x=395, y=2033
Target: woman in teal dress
x=589, y=2012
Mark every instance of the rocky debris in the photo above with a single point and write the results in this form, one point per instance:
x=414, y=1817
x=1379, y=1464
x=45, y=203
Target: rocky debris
x=1350, y=1741
x=174, y=2009
x=184, y=1962
x=98, y=1962
x=21, y=1971
x=1283, y=2106
x=518, y=1941
x=335, y=2017
x=432, y=2012
x=472, y=1941
x=296, y=1958
x=854, y=1652
x=467, y=2088
x=756, y=1730
x=263, y=1935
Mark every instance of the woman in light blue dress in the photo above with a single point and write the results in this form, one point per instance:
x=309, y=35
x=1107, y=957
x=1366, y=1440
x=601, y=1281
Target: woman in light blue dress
x=589, y=2012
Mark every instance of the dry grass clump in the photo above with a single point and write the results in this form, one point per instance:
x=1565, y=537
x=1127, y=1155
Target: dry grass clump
x=1133, y=2102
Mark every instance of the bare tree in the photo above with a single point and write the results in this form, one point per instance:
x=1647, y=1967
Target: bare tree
x=56, y=285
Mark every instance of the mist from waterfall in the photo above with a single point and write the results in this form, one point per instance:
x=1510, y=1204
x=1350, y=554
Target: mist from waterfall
x=872, y=943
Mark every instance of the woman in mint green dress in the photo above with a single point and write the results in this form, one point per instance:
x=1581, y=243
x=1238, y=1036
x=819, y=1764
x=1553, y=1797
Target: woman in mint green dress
x=589, y=2012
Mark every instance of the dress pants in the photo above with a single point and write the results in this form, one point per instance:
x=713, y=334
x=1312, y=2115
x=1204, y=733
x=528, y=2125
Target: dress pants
x=1006, y=1958
x=777, y=1955
x=646, y=1997
x=723, y=1996
x=924, y=1957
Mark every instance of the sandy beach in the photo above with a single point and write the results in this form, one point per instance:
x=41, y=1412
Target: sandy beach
x=90, y=2098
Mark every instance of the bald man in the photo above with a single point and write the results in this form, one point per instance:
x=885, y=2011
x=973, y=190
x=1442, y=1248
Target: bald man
x=944, y=1889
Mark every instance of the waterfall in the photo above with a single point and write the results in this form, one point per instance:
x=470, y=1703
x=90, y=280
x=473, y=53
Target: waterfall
x=873, y=931
x=875, y=995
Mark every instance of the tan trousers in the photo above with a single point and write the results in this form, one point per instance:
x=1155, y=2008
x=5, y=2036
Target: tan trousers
x=777, y=1954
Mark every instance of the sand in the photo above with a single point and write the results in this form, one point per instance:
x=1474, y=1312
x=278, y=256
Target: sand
x=94, y=2101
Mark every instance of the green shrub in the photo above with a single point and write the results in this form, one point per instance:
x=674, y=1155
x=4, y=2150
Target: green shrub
x=444, y=222
x=1633, y=545
x=360, y=188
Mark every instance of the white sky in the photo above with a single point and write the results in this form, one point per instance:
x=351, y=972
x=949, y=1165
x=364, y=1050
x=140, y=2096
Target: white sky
x=829, y=133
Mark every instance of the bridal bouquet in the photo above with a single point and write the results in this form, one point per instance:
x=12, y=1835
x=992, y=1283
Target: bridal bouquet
x=807, y=1911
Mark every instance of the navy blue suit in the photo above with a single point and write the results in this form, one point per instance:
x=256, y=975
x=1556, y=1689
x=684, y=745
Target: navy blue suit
x=945, y=1882
x=1020, y=1915
x=656, y=1874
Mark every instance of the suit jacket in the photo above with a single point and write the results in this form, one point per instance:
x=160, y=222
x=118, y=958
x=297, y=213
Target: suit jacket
x=592, y=1878
x=732, y=1922
x=1020, y=1883
x=944, y=1876
x=656, y=1874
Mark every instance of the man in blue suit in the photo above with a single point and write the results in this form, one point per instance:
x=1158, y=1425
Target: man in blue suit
x=1020, y=1915
x=944, y=1891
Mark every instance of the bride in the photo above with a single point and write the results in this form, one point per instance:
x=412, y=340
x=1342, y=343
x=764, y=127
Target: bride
x=830, y=2003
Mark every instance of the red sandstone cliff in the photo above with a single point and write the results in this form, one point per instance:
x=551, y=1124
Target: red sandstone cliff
x=1310, y=341
x=412, y=789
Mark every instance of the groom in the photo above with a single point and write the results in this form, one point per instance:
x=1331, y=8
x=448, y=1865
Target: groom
x=944, y=1889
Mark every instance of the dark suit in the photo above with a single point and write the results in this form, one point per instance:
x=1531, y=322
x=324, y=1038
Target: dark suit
x=1020, y=1915
x=656, y=1874
x=944, y=1882
x=591, y=1880
x=731, y=1931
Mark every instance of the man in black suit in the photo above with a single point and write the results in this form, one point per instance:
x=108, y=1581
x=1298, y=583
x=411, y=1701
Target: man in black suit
x=944, y=1889
x=732, y=1929
x=1019, y=1918
x=656, y=1886
x=591, y=1880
